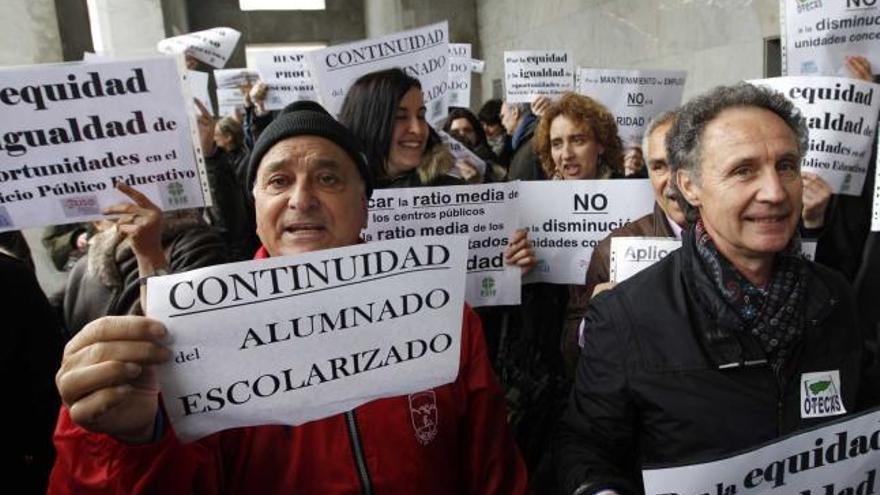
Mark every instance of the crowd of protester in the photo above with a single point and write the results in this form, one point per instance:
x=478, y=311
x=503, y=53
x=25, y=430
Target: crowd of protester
x=565, y=393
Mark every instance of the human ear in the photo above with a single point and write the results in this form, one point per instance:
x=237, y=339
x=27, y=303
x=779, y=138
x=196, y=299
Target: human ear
x=688, y=187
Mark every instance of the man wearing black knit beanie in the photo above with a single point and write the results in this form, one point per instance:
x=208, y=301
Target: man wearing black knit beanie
x=310, y=185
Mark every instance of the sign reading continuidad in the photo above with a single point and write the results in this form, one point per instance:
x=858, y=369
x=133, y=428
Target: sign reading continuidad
x=289, y=340
x=567, y=219
x=422, y=53
x=634, y=97
x=487, y=214
x=70, y=132
x=537, y=73
x=839, y=459
x=818, y=35
x=841, y=114
x=211, y=46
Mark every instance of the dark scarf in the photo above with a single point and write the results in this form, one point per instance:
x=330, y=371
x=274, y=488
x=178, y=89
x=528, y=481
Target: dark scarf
x=772, y=314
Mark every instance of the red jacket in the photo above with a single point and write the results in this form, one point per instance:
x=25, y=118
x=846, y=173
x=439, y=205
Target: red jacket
x=453, y=439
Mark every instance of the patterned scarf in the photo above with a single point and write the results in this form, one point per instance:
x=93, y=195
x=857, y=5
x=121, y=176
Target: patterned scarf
x=772, y=314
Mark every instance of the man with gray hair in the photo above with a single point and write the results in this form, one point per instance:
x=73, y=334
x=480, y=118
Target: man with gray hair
x=708, y=351
x=667, y=220
x=519, y=122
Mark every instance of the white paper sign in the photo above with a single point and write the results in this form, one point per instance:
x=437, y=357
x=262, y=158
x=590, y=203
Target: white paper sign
x=841, y=114
x=71, y=131
x=477, y=65
x=817, y=35
x=841, y=458
x=461, y=152
x=537, y=73
x=212, y=46
x=286, y=73
x=808, y=248
x=229, y=83
x=422, y=53
x=460, y=68
x=293, y=339
x=567, y=219
x=633, y=96
x=487, y=213
x=198, y=88
x=235, y=78
x=630, y=255
x=875, y=211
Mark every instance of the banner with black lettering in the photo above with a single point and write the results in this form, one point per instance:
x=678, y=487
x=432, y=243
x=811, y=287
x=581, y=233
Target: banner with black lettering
x=818, y=35
x=634, y=97
x=567, y=219
x=230, y=83
x=285, y=71
x=422, y=53
x=841, y=114
x=630, y=255
x=198, y=88
x=211, y=46
x=460, y=68
x=488, y=214
x=875, y=217
x=287, y=340
x=840, y=458
x=530, y=73
x=70, y=132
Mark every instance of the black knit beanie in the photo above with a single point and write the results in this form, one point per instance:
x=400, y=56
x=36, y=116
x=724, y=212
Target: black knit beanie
x=308, y=118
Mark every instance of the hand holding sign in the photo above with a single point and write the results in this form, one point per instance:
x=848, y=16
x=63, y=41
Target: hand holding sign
x=860, y=67
x=205, y=123
x=817, y=194
x=141, y=223
x=107, y=380
x=519, y=251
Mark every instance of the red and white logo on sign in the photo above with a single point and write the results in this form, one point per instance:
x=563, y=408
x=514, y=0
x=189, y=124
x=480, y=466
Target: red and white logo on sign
x=423, y=410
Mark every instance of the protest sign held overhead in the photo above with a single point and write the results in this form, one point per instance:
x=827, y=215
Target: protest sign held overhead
x=229, y=88
x=422, y=53
x=840, y=458
x=634, y=97
x=198, y=87
x=567, y=219
x=841, y=114
x=211, y=46
x=287, y=340
x=70, y=132
x=286, y=73
x=818, y=35
x=537, y=73
x=487, y=213
x=460, y=68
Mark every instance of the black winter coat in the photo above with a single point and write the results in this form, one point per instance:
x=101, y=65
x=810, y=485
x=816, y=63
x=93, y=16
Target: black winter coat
x=666, y=376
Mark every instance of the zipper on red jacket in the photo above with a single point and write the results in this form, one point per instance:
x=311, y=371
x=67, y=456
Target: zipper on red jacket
x=358, y=450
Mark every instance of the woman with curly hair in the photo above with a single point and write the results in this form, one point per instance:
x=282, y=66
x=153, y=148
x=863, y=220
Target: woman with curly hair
x=577, y=139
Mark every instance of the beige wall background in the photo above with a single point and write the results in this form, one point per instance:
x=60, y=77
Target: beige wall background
x=715, y=41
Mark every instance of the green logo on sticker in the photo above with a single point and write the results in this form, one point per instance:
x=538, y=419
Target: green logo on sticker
x=176, y=194
x=487, y=287
x=818, y=387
